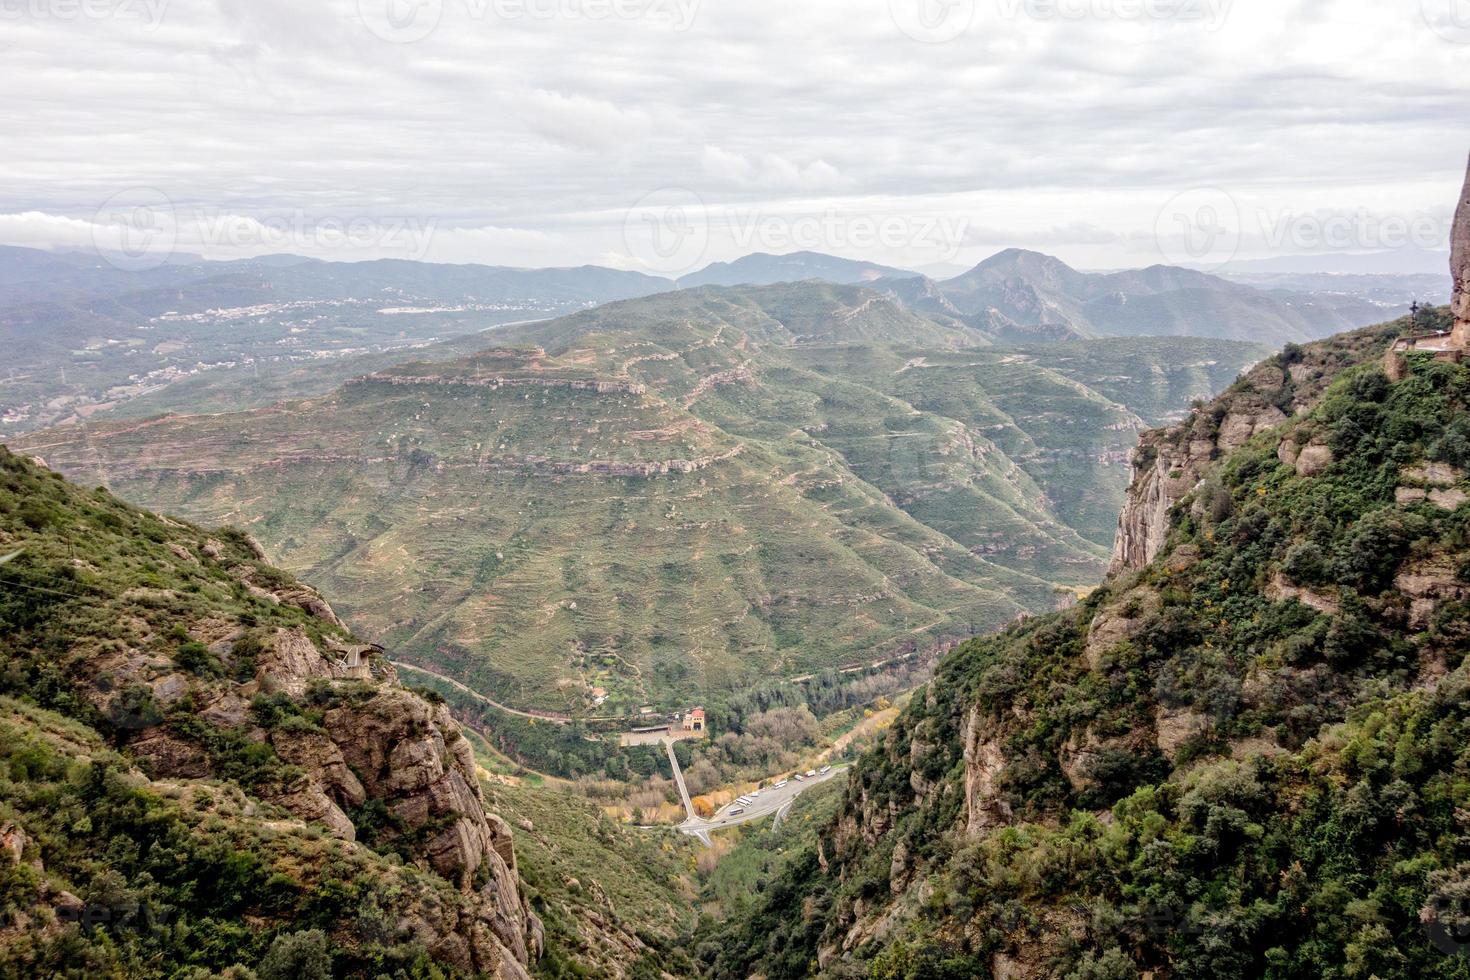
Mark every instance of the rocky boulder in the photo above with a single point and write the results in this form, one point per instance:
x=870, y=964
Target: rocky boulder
x=1460, y=263
x=984, y=764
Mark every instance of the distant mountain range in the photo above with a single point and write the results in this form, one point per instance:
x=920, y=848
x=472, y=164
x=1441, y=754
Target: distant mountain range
x=1020, y=295
x=1399, y=261
x=85, y=336
x=33, y=276
x=764, y=269
x=682, y=492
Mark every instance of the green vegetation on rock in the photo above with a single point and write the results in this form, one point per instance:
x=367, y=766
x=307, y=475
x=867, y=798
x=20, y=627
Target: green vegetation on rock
x=181, y=745
x=1246, y=759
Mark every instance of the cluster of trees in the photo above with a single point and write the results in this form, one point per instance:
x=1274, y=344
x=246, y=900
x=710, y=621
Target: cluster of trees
x=1341, y=855
x=161, y=898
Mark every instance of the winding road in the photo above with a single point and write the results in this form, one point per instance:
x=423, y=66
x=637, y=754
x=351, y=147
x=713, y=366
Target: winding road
x=772, y=800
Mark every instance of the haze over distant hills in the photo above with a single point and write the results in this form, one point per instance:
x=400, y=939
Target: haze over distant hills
x=1398, y=261
x=85, y=336
x=685, y=491
x=1019, y=294
x=764, y=269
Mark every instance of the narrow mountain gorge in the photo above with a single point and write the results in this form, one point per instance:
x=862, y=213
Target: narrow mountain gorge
x=1243, y=756
x=206, y=769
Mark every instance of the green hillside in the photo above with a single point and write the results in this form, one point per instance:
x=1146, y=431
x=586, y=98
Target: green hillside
x=674, y=495
x=1245, y=760
x=193, y=782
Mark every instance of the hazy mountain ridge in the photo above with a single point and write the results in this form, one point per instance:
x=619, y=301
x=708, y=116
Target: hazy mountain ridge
x=1019, y=294
x=764, y=269
x=85, y=336
x=89, y=337
x=807, y=445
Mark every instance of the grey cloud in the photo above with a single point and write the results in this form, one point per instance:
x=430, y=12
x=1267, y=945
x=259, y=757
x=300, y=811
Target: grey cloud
x=546, y=130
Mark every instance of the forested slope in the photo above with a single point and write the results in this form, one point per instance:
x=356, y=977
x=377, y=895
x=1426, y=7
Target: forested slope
x=1247, y=758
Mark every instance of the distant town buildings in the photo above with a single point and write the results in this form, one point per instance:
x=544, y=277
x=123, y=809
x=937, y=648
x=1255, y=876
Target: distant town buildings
x=678, y=727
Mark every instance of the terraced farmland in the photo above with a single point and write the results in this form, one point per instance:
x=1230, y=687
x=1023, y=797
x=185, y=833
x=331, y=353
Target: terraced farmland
x=670, y=496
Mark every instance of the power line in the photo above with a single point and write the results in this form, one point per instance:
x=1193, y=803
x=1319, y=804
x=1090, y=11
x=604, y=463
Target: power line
x=39, y=588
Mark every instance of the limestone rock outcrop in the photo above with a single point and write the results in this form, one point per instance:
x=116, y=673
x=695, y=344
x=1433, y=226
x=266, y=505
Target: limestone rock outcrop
x=376, y=742
x=984, y=763
x=1170, y=462
x=1460, y=265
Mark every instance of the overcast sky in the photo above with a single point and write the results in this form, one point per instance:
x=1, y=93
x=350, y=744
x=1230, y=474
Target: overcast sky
x=666, y=133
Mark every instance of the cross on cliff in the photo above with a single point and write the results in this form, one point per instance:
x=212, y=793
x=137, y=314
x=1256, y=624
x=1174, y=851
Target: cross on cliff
x=1460, y=268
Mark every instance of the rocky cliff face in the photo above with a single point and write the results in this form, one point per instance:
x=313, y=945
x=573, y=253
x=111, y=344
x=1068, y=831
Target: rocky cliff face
x=1170, y=462
x=376, y=745
x=1460, y=264
x=1064, y=797
x=212, y=672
